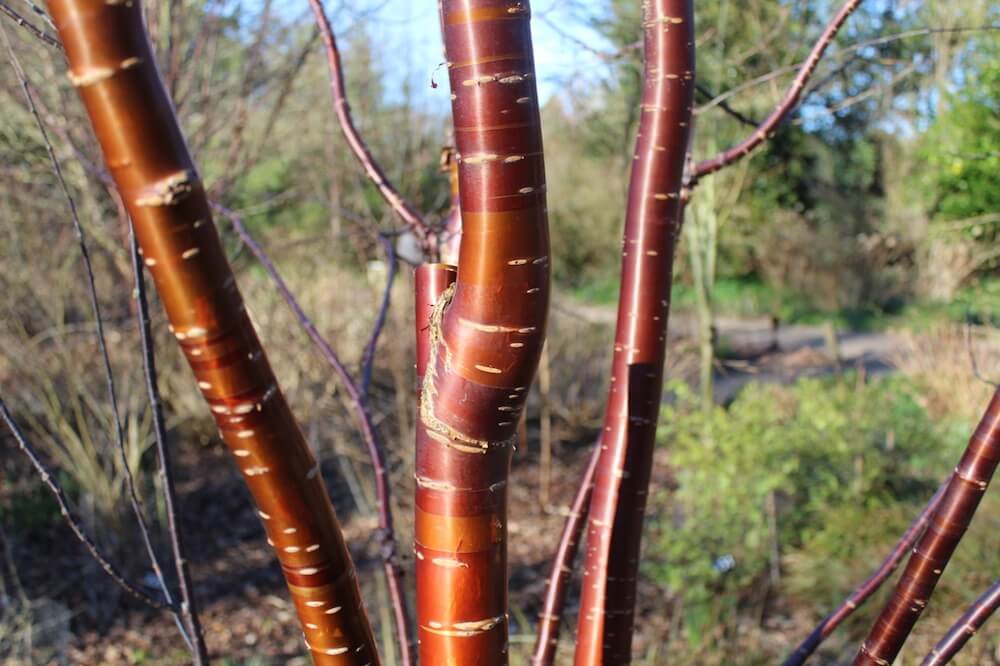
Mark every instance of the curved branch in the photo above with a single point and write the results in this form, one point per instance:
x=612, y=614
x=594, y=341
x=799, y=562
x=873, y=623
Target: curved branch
x=372, y=169
x=784, y=107
x=550, y=618
x=869, y=587
x=965, y=628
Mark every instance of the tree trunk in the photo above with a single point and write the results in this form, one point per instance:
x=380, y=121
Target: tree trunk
x=113, y=68
x=607, y=605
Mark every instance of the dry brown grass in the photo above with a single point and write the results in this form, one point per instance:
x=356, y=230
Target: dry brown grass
x=941, y=364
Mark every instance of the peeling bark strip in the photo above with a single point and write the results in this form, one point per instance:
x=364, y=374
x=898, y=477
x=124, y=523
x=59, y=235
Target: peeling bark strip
x=962, y=631
x=112, y=66
x=934, y=549
x=604, y=632
x=486, y=334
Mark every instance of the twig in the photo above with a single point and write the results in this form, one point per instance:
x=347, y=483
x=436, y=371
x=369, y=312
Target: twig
x=562, y=567
x=375, y=450
x=74, y=524
x=869, y=587
x=965, y=628
x=781, y=111
x=96, y=308
x=37, y=32
x=746, y=120
x=188, y=607
x=410, y=216
x=368, y=360
x=972, y=352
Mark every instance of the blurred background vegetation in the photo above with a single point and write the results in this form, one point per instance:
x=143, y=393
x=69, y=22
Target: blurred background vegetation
x=875, y=209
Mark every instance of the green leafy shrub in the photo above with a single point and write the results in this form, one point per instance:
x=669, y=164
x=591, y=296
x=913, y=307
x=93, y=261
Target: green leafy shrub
x=824, y=467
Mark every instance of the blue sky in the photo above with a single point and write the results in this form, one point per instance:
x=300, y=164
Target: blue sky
x=410, y=28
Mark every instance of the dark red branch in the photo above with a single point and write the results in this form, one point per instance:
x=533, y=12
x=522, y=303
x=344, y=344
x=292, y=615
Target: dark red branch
x=607, y=605
x=372, y=169
x=784, y=107
x=869, y=587
x=550, y=619
x=965, y=628
x=947, y=525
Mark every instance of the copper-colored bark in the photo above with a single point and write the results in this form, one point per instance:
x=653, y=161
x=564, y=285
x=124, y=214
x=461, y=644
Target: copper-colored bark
x=452, y=237
x=859, y=596
x=550, y=618
x=934, y=549
x=486, y=336
x=604, y=633
x=113, y=68
x=965, y=628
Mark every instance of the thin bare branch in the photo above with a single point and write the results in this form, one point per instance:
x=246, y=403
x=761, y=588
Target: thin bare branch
x=784, y=107
x=857, y=598
x=74, y=524
x=550, y=619
x=372, y=169
x=368, y=359
x=32, y=29
x=133, y=496
x=965, y=628
x=188, y=606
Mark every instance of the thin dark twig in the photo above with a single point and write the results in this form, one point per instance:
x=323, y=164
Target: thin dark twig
x=784, y=107
x=706, y=93
x=35, y=31
x=371, y=167
x=188, y=607
x=965, y=628
x=376, y=453
x=870, y=586
x=96, y=308
x=973, y=361
x=71, y=520
x=368, y=360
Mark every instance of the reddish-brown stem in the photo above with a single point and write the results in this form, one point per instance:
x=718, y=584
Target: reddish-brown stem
x=869, y=587
x=784, y=107
x=934, y=549
x=604, y=629
x=372, y=169
x=486, y=334
x=965, y=628
x=34, y=30
x=112, y=66
x=550, y=619
x=376, y=453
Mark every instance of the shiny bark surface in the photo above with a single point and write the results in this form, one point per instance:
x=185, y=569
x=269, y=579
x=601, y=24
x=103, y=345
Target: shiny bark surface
x=112, y=66
x=934, y=549
x=604, y=630
x=486, y=334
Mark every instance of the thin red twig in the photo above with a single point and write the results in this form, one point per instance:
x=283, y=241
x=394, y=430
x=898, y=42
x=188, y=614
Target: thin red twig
x=784, y=107
x=550, y=619
x=372, y=169
x=869, y=587
x=965, y=628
